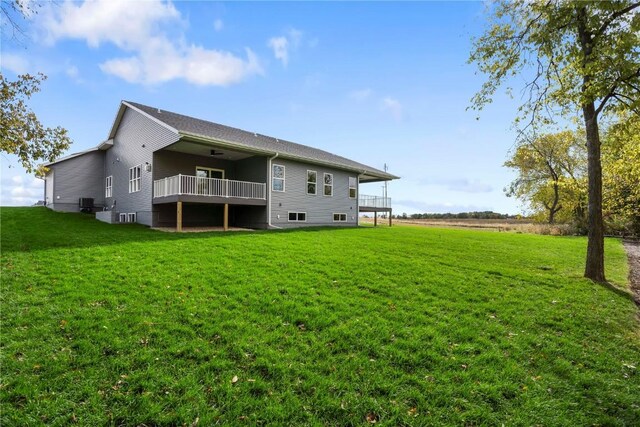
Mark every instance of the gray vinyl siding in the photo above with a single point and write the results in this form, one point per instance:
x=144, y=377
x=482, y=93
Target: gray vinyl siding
x=319, y=208
x=252, y=169
x=133, y=144
x=171, y=163
x=77, y=177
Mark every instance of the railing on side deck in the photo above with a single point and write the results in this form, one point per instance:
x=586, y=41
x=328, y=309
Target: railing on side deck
x=374, y=202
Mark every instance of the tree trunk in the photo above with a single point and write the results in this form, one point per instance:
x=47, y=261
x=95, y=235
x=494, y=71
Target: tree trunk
x=594, y=269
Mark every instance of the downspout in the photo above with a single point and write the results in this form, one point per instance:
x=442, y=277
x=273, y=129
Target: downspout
x=358, y=199
x=269, y=185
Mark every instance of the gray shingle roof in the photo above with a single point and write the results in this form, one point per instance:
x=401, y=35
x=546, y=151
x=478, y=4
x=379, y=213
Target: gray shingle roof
x=214, y=131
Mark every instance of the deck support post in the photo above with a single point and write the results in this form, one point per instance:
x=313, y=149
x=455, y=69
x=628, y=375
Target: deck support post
x=225, y=220
x=390, y=217
x=179, y=217
x=375, y=218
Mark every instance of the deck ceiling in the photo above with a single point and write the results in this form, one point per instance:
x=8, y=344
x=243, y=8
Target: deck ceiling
x=203, y=149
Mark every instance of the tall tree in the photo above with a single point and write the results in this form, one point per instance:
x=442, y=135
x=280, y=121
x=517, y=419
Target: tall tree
x=550, y=170
x=21, y=133
x=578, y=58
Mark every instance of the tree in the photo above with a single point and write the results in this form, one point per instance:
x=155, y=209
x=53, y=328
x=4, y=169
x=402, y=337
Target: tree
x=550, y=170
x=621, y=172
x=21, y=133
x=578, y=58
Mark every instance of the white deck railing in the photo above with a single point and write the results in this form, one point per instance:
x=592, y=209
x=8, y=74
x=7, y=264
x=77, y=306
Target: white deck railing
x=374, y=202
x=179, y=185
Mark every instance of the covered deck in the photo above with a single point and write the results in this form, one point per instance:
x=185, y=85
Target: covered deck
x=181, y=189
x=375, y=204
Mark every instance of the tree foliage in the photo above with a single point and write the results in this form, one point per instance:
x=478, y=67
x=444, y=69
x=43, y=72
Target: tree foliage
x=577, y=58
x=21, y=133
x=551, y=176
x=621, y=173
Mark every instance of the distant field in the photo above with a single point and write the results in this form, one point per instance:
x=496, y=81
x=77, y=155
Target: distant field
x=514, y=225
x=122, y=325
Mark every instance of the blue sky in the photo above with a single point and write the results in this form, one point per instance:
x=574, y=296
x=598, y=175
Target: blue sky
x=375, y=82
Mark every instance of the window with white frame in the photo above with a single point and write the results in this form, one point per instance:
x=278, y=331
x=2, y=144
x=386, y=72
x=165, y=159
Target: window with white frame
x=277, y=178
x=135, y=178
x=108, y=186
x=297, y=216
x=339, y=217
x=328, y=184
x=353, y=187
x=312, y=182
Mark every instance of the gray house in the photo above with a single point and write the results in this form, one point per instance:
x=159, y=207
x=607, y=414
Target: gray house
x=160, y=168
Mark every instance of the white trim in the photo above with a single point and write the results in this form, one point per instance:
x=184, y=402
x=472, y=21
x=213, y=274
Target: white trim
x=315, y=193
x=325, y=185
x=135, y=182
x=284, y=177
x=209, y=169
x=339, y=220
x=297, y=216
x=108, y=186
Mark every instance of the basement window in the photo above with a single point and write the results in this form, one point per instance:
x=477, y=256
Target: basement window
x=297, y=216
x=339, y=217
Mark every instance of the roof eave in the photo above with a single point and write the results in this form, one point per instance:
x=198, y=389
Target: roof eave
x=242, y=147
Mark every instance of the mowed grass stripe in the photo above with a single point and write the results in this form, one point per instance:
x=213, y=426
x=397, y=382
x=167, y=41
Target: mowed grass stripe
x=114, y=325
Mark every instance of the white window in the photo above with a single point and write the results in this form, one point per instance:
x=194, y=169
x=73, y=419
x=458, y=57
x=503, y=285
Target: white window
x=108, y=186
x=312, y=182
x=277, y=180
x=134, y=178
x=297, y=216
x=328, y=184
x=339, y=217
x=128, y=217
x=353, y=185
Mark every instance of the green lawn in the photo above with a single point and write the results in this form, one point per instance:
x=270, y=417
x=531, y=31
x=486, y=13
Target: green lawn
x=121, y=325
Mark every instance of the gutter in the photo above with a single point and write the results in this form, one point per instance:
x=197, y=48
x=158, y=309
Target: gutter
x=269, y=185
x=364, y=172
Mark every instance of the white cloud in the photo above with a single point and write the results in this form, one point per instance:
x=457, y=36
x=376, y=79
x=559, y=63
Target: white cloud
x=14, y=63
x=463, y=185
x=152, y=32
x=280, y=46
x=218, y=25
x=21, y=190
x=283, y=45
x=72, y=71
x=393, y=106
x=361, y=94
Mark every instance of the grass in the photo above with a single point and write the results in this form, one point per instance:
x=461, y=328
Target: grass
x=121, y=325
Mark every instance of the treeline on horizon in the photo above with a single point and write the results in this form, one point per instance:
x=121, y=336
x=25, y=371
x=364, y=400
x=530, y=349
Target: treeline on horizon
x=461, y=215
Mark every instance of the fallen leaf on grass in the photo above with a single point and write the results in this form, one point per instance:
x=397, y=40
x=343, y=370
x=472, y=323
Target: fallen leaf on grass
x=371, y=418
x=63, y=324
x=234, y=379
x=413, y=412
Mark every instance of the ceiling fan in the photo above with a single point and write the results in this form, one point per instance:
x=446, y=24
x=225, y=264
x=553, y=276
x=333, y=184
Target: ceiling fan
x=216, y=153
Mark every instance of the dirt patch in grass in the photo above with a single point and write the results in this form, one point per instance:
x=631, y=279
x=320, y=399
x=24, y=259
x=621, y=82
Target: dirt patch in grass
x=633, y=254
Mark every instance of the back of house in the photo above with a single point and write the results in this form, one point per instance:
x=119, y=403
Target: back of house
x=164, y=169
